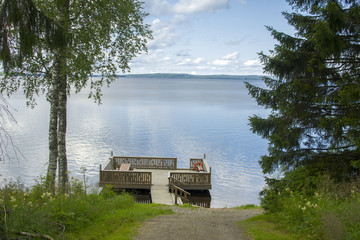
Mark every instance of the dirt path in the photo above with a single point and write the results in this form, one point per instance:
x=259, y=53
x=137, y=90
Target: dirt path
x=198, y=224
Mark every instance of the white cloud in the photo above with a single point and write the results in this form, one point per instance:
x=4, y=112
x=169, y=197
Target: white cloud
x=163, y=33
x=194, y=6
x=227, y=59
x=221, y=62
x=189, y=61
x=159, y=7
x=252, y=63
x=198, y=60
x=231, y=56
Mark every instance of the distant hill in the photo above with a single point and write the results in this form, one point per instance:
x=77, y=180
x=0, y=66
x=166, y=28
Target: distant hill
x=190, y=76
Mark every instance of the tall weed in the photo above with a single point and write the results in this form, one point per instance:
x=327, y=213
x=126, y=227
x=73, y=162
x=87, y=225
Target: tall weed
x=35, y=210
x=330, y=211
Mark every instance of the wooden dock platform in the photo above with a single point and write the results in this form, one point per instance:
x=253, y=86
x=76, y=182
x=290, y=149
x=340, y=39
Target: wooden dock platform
x=166, y=182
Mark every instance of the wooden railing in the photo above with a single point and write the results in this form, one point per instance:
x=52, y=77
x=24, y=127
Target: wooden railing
x=124, y=178
x=177, y=190
x=145, y=162
x=200, y=201
x=192, y=178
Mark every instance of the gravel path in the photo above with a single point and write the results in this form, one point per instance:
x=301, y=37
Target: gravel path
x=198, y=224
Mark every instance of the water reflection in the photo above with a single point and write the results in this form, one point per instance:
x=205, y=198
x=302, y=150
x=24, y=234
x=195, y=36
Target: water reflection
x=153, y=117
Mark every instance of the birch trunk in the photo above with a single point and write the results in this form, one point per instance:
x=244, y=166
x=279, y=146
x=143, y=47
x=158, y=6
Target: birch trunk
x=62, y=114
x=53, y=136
x=62, y=93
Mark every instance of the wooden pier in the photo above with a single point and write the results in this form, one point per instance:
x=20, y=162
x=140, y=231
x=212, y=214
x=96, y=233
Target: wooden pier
x=168, y=184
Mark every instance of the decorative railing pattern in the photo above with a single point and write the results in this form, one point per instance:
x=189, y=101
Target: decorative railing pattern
x=146, y=162
x=192, y=178
x=124, y=178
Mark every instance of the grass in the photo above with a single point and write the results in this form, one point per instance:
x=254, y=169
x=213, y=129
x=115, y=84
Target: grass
x=248, y=206
x=119, y=224
x=260, y=228
x=331, y=212
x=72, y=215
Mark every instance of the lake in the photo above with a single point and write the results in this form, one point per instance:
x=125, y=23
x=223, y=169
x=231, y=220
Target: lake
x=160, y=117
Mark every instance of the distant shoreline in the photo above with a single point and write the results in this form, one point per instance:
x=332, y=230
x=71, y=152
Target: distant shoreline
x=191, y=76
x=184, y=76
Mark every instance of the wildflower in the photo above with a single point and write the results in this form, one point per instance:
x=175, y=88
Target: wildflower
x=43, y=195
x=309, y=204
x=48, y=194
x=66, y=195
x=287, y=189
x=51, y=199
x=304, y=208
x=12, y=199
x=279, y=193
x=26, y=194
x=30, y=204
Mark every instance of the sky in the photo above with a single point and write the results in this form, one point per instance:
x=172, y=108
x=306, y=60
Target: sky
x=210, y=36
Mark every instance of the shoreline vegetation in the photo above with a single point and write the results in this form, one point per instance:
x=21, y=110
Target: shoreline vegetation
x=332, y=212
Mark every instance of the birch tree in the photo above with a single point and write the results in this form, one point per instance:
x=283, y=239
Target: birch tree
x=78, y=39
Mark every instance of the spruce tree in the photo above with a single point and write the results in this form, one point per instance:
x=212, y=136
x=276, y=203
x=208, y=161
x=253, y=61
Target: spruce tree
x=313, y=91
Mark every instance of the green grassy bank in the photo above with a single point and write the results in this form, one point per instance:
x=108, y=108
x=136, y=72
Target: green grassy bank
x=331, y=211
x=38, y=214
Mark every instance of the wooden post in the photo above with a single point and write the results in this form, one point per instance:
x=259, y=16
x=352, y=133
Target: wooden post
x=172, y=185
x=176, y=196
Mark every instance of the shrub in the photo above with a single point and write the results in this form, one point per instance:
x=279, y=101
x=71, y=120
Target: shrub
x=324, y=210
x=36, y=210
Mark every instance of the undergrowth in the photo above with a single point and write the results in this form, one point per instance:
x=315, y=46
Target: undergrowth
x=36, y=213
x=327, y=211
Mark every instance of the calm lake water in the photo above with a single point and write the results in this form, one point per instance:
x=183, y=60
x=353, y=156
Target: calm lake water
x=182, y=118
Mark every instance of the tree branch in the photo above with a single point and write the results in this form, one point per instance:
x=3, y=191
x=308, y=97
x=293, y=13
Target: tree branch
x=35, y=235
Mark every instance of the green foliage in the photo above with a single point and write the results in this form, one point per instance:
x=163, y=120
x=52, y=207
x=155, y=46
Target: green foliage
x=260, y=227
x=248, y=206
x=90, y=49
x=321, y=209
x=315, y=92
x=35, y=210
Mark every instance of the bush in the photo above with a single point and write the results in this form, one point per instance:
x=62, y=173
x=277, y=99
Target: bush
x=317, y=208
x=36, y=211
